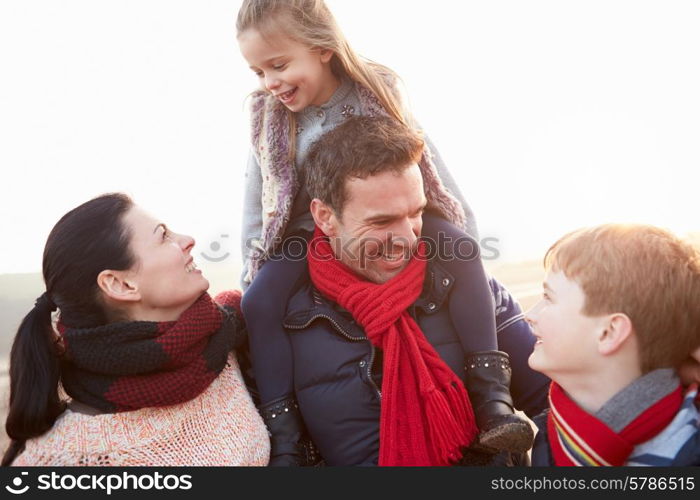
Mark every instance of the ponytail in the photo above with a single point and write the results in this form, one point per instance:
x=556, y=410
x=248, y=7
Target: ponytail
x=34, y=377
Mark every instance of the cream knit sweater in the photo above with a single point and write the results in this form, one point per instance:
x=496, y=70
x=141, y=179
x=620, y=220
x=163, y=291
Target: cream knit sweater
x=219, y=427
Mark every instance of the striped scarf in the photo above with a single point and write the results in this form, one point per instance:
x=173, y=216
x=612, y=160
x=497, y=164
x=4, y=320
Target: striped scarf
x=577, y=438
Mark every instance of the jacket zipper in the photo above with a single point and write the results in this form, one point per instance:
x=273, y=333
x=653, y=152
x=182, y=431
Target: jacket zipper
x=369, y=371
x=349, y=337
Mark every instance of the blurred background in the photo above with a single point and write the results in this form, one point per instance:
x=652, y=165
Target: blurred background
x=551, y=115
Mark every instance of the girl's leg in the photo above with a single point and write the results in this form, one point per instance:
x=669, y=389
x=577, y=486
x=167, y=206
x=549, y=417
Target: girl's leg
x=471, y=307
x=471, y=301
x=528, y=387
x=264, y=305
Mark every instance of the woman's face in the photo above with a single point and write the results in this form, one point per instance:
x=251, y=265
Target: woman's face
x=164, y=273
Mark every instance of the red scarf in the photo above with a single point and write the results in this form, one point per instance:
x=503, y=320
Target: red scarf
x=141, y=364
x=578, y=438
x=426, y=417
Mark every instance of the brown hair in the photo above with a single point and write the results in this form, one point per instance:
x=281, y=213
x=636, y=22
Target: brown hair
x=360, y=147
x=646, y=273
x=311, y=23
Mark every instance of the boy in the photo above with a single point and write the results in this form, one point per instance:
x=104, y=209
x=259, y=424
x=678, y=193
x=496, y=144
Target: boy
x=620, y=312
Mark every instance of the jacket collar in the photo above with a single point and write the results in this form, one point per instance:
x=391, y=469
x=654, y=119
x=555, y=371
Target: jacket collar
x=307, y=304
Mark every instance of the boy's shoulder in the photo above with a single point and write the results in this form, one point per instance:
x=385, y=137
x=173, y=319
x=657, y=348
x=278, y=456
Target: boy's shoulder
x=687, y=424
x=689, y=454
x=679, y=443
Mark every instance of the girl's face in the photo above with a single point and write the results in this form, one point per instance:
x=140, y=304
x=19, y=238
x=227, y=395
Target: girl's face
x=294, y=73
x=165, y=276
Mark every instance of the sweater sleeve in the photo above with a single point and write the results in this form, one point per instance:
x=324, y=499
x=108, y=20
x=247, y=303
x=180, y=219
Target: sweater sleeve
x=451, y=185
x=251, y=227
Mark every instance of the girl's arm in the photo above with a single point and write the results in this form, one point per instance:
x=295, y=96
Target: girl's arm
x=251, y=229
x=445, y=176
x=452, y=187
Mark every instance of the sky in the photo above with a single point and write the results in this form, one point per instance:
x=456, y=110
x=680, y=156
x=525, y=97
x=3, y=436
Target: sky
x=551, y=115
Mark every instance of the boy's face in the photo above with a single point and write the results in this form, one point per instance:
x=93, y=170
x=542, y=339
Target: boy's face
x=566, y=338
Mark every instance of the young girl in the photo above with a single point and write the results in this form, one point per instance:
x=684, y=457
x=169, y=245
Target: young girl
x=311, y=81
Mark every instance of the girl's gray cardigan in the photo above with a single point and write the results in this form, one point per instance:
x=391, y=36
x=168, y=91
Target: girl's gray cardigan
x=272, y=184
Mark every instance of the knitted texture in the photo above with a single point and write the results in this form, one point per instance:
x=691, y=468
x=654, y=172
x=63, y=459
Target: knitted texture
x=139, y=364
x=219, y=427
x=280, y=184
x=426, y=417
x=578, y=438
x=270, y=128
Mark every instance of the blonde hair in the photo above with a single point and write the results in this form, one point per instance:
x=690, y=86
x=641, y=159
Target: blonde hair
x=644, y=272
x=311, y=23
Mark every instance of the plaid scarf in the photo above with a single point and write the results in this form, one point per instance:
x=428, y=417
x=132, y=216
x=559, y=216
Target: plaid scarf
x=140, y=364
x=578, y=438
x=426, y=417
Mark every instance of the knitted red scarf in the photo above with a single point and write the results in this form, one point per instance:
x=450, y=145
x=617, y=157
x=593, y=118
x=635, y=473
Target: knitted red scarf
x=141, y=364
x=578, y=438
x=426, y=416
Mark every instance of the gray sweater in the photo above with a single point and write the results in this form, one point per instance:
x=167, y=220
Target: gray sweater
x=312, y=123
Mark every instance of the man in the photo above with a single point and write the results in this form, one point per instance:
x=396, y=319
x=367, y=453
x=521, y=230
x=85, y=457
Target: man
x=379, y=369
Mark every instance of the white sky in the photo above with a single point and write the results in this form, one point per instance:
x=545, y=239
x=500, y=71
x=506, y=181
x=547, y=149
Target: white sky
x=551, y=114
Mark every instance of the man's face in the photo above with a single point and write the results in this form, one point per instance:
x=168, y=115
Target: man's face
x=378, y=230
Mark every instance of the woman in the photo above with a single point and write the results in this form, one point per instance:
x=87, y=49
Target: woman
x=144, y=354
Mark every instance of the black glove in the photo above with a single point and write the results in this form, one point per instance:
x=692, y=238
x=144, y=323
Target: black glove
x=477, y=455
x=291, y=445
